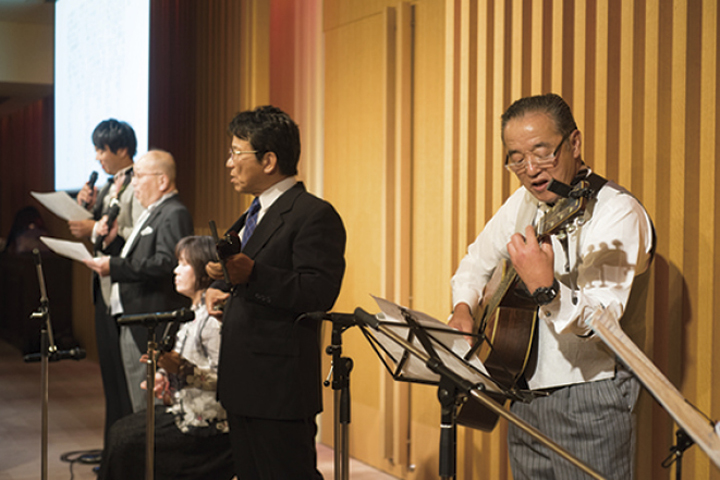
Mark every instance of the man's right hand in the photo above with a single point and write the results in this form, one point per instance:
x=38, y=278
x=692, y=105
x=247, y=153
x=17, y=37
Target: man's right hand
x=81, y=228
x=462, y=320
x=88, y=196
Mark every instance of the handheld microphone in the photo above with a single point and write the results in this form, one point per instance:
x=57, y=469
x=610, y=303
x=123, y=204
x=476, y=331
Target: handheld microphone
x=91, y=184
x=112, y=215
x=76, y=353
x=152, y=319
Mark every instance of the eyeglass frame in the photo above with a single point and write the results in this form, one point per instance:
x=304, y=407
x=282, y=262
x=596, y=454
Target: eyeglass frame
x=234, y=153
x=510, y=166
x=134, y=174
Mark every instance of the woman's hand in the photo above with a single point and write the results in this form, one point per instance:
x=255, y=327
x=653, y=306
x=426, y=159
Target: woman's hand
x=161, y=387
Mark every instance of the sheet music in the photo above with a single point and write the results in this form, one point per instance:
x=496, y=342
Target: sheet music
x=457, y=346
x=62, y=205
x=73, y=250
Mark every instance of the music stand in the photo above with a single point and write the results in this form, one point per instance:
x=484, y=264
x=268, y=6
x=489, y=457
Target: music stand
x=700, y=430
x=426, y=356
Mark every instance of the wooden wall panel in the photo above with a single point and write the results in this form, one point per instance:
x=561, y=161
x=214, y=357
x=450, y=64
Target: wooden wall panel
x=642, y=79
x=355, y=174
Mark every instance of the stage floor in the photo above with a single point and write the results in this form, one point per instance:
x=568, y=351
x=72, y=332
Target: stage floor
x=75, y=420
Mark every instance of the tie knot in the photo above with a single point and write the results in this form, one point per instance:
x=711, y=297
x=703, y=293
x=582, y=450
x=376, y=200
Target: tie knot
x=254, y=206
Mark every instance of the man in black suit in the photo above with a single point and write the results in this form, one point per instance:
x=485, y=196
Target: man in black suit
x=115, y=147
x=293, y=262
x=142, y=274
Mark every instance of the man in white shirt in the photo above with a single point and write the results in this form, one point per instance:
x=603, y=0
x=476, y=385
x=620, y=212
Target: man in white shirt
x=583, y=399
x=115, y=147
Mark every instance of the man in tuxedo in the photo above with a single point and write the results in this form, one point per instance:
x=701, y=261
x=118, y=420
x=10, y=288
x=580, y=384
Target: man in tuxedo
x=115, y=147
x=292, y=262
x=142, y=273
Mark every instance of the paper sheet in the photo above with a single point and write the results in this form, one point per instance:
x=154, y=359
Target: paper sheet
x=74, y=250
x=451, y=338
x=62, y=205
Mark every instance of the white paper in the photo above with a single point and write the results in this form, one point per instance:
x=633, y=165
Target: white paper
x=62, y=205
x=455, y=342
x=74, y=250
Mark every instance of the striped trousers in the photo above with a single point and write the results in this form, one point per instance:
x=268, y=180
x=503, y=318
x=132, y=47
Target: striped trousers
x=594, y=421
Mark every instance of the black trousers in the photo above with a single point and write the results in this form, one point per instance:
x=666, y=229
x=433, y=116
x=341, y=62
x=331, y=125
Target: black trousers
x=274, y=449
x=117, y=398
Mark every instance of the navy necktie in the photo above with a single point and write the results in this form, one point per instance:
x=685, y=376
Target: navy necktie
x=251, y=220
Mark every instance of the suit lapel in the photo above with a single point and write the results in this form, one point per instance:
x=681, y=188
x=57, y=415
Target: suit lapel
x=272, y=220
x=156, y=211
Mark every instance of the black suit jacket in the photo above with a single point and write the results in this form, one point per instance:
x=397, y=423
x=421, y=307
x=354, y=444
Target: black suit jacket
x=269, y=358
x=145, y=275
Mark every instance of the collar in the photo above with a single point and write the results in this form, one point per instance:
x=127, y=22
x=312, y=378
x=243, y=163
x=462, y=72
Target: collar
x=161, y=200
x=124, y=171
x=269, y=196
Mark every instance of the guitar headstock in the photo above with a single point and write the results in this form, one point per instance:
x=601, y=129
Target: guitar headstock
x=564, y=210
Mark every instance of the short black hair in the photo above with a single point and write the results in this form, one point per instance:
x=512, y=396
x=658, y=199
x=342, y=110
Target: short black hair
x=115, y=135
x=551, y=104
x=269, y=129
x=198, y=251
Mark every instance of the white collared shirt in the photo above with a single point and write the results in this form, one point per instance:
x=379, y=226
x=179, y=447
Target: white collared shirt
x=603, y=258
x=269, y=196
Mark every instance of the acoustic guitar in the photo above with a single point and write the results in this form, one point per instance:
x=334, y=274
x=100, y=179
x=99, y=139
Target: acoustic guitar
x=506, y=318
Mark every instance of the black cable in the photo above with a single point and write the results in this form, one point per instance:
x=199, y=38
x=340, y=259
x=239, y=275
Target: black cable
x=86, y=457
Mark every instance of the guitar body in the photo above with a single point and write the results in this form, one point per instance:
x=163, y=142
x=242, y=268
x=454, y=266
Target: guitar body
x=507, y=317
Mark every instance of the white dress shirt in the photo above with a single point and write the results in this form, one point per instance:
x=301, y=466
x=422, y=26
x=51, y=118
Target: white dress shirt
x=604, y=255
x=268, y=197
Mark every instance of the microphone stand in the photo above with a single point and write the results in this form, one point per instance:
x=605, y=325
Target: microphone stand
x=682, y=443
x=341, y=367
x=151, y=321
x=152, y=353
x=47, y=346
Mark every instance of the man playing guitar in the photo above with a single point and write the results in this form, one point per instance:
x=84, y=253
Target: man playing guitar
x=581, y=397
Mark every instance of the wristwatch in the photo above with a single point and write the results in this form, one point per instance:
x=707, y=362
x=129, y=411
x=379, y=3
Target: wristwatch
x=545, y=295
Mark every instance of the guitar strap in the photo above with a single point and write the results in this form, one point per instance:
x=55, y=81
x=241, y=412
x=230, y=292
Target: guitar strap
x=596, y=182
x=528, y=210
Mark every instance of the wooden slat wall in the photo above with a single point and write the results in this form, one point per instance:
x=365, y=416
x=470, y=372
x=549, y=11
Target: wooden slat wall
x=642, y=79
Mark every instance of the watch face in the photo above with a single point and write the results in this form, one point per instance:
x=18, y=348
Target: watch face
x=545, y=295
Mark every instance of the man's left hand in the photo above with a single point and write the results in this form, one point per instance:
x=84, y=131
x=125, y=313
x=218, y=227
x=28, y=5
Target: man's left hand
x=533, y=261
x=239, y=268
x=100, y=265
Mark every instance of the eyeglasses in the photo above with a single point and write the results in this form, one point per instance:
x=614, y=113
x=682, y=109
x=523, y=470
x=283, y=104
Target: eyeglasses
x=136, y=174
x=540, y=161
x=237, y=153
